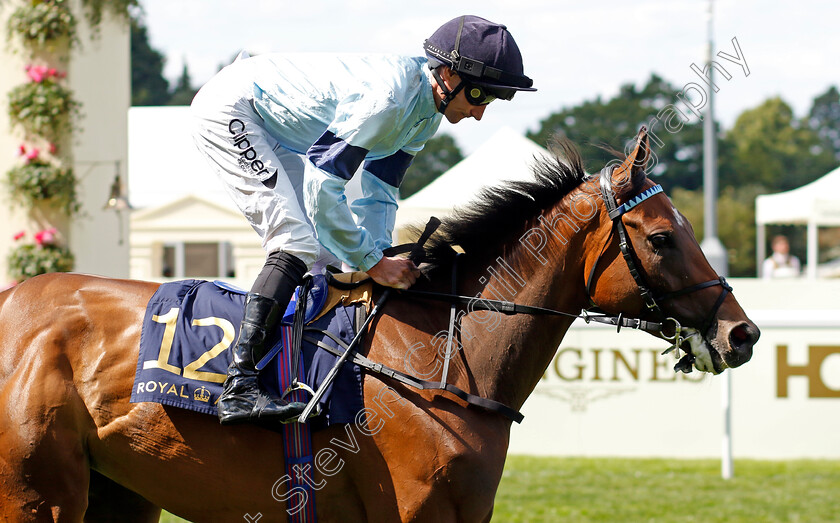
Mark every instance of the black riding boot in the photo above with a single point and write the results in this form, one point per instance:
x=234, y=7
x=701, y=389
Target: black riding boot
x=242, y=399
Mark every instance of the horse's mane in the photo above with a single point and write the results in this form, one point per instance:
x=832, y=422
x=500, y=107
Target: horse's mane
x=495, y=220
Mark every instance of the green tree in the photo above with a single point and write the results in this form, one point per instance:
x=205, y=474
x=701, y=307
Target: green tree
x=769, y=147
x=824, y=119
x=148, y=85
x=184, y=91
x=439, y=154
x=595, y=124
x=736, y=223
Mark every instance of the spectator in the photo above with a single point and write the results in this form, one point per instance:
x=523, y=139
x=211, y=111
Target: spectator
x=781, y=264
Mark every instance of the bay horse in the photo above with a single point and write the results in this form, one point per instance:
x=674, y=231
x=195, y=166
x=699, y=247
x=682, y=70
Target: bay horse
x=74, y=448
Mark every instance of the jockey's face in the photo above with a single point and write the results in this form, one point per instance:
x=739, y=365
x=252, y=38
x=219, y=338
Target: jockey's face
x=459, y=108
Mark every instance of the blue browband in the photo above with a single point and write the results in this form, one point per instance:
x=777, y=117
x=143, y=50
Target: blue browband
x=642, y=196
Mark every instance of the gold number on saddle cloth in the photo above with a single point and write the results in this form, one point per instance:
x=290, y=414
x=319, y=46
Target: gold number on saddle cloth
x=191, y=370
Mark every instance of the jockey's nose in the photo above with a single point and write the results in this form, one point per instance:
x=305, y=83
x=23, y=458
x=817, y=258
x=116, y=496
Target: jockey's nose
x=477, y=111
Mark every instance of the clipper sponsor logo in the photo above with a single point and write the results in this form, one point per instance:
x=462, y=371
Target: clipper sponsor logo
x=248, y=160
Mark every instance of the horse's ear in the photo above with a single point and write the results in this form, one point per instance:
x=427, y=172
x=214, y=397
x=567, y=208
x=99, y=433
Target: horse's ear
x=642, y=148
x=634, y=164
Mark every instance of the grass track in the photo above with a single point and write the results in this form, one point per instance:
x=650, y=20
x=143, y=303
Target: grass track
x=659, y=490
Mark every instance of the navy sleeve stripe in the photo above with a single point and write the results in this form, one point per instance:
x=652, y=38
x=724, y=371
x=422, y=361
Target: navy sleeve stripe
x=337, y=157
x=390, y=169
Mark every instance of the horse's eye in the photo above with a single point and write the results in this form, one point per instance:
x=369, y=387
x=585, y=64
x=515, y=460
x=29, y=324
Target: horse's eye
x=660, y=240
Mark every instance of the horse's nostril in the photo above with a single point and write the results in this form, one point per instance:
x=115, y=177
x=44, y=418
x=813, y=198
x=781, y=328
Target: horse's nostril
x=742, y=337
x=738, y=335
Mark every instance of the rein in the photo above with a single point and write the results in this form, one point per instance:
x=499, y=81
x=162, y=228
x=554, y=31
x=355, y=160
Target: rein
x=475, y=303
x=597, y=315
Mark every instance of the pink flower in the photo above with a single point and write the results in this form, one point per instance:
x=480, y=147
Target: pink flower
x=52, y=148
x=37, y=73
x=19, y=235
x=52, y=72
x=32, y=154
x=21, y=150
x=45, y=237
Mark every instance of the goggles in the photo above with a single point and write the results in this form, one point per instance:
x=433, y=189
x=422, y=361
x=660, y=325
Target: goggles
x=481, y=95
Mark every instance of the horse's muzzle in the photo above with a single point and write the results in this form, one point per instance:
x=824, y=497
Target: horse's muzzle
x=739, y=339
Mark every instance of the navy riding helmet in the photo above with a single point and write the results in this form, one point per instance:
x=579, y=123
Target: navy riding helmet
x=483, y=54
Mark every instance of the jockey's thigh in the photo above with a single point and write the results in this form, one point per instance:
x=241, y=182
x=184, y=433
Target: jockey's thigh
x=264, y=179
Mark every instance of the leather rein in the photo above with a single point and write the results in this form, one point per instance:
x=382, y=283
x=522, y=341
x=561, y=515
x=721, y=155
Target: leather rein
x=596, y=314
x=509, y=308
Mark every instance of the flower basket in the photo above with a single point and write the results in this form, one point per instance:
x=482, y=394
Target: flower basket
x=39, y=182
x=44, y=108
x=41, y=257
x=40, y=23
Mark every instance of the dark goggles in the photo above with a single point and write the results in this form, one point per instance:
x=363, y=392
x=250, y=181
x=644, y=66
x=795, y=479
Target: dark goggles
x=482, y=95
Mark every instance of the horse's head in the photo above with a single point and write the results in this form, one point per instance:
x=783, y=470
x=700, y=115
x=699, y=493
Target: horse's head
x=661, y=274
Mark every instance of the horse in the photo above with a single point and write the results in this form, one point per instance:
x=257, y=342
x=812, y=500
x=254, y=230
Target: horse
x=74, y=447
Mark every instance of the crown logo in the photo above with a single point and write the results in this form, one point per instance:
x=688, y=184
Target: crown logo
x=201, y=394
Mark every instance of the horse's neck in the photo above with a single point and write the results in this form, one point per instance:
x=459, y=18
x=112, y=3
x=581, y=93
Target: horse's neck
x=507, y=355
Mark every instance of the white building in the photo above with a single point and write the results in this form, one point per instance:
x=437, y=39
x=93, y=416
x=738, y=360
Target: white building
x=184, y=224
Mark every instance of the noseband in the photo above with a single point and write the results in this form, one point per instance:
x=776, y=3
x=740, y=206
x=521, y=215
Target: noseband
x=651, y=300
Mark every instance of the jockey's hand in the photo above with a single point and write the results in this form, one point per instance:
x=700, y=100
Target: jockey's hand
x=394, y=272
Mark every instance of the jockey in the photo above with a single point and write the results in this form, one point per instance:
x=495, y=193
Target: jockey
x=285, y=133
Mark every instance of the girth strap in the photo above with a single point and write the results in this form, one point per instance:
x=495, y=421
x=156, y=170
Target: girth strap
x=378, y=368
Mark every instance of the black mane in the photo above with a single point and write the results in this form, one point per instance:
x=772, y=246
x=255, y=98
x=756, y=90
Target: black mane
x=499, y=216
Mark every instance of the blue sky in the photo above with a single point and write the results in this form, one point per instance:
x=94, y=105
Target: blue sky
x=574, y=51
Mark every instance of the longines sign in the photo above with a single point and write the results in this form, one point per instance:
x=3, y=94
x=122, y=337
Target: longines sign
x=821, y=360
x=573, y=364
x=609, y=394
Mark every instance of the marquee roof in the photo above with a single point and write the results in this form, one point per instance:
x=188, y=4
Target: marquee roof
x=817, y=202
x=506, y=156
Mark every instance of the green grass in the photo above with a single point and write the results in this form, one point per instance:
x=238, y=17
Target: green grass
x=660, y=490
x=637, y=490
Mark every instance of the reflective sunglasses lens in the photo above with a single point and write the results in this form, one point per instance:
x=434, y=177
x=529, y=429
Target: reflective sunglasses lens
x=477, y=96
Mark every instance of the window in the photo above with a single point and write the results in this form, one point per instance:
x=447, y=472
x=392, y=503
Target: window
x=197, y=260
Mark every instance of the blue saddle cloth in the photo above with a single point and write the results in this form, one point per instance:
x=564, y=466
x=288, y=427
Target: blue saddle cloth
x=187, y=339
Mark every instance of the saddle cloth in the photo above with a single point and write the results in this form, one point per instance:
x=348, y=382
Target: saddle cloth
x=189, y=330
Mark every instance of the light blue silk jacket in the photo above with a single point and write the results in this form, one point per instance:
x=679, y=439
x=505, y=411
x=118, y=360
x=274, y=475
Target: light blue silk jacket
x=344, y=112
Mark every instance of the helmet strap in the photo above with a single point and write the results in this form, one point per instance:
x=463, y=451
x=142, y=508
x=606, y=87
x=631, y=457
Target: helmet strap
x=448, y=95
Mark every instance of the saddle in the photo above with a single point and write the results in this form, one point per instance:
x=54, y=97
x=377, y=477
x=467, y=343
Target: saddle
x=189, y=326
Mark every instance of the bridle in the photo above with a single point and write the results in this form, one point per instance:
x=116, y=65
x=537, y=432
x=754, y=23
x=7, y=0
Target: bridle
x=595, y=313
x=478, y=303
x=651, y=300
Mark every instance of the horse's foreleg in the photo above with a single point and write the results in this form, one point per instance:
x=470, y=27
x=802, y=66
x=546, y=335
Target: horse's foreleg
x=43, y=471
